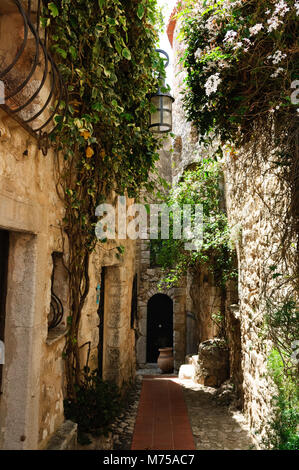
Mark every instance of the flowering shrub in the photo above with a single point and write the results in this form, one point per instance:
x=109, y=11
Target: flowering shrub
x=242, y=58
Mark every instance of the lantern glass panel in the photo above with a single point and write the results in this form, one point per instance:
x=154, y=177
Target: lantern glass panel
x=167, y=103
x=156, y=101
x=155, y=118
x=156, y=115
x=167, y=118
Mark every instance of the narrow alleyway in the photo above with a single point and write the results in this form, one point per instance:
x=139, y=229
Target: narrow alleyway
x=181, y=415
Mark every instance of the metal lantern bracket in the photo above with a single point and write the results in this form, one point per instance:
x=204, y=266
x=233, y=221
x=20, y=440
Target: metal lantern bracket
x=161, y=51
x=56, y=312
x=57, y=90
x=163, y=111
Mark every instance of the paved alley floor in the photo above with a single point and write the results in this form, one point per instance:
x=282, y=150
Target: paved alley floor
x=214, y=426
x=181, y=415
x=162, y=421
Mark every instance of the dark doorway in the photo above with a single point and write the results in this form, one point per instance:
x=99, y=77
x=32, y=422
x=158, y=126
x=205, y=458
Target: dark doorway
x=101, y=313
x=159, y=325
x=134, y=302
x=4, y=249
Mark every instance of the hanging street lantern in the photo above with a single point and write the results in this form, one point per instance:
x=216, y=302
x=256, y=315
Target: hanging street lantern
x=161, y=117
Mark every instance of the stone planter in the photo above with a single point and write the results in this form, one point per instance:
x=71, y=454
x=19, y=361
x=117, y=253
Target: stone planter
x=165, y=360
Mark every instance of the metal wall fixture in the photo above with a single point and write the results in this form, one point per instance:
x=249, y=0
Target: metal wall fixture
x=56, y=312
x=161, y=117
x=21, y=106
x=134, y=302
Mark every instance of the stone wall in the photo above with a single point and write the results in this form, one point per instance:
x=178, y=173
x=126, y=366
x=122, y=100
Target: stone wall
x=255, y=208
x=30, y=210
x=119, y=338
x=205, y=299
x=33, y=382
x=149, y=278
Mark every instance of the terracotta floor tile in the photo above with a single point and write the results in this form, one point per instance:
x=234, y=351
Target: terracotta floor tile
x=162, y=421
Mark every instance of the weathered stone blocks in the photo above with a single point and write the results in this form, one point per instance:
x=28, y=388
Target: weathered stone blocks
x=65, y=437
x=213, y=363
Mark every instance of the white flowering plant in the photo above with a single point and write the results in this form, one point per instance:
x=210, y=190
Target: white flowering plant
x=241, y=60
x=240, y=89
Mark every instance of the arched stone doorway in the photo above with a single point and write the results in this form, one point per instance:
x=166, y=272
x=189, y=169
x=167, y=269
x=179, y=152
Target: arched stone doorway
x=159, y=325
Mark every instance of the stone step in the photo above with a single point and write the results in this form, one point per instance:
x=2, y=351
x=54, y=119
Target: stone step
x=191, y=359
x=187, y=371
x=150, y=366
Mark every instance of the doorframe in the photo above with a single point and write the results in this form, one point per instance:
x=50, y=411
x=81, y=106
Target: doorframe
x=19, y=406
x=178, y=296
x=101, y=313
x=3, y=293
x=147, y=320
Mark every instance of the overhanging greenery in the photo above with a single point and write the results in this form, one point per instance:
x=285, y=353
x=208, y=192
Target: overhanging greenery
x=242, y=63
x=200, y=186
x=108, y=61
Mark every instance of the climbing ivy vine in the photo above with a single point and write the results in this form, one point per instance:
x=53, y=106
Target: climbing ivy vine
x=106, y=55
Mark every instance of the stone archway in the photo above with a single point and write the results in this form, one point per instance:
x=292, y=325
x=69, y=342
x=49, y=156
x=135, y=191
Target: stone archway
x=178, y=297
x=159, y=325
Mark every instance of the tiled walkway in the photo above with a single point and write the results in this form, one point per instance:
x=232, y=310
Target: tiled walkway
x=162, y=421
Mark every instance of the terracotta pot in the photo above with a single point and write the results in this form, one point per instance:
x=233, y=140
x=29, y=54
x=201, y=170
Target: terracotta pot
x=165, y=360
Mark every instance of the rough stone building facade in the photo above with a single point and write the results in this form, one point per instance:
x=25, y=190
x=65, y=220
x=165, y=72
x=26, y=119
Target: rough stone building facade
x=157, y=326
x=149, y=278
x=117, y=328
x=255, y=211
x=254, y=207
x=34, y=253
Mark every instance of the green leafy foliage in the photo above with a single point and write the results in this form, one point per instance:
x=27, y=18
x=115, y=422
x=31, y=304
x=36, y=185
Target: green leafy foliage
x=200, y=186
x=109, y=61
x=282, y=320
x=97, y=404
x=241, y=59
x=283, y=428
x=282, y=325
x=106, y=53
